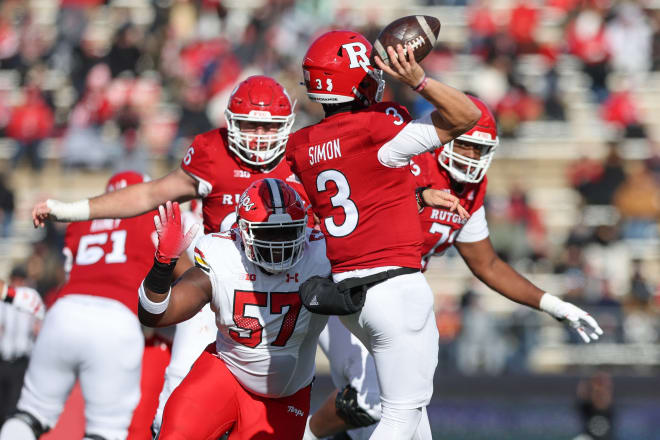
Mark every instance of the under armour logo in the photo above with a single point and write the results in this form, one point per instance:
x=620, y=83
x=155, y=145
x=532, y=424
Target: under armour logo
x=290, y=277
x=296, y=411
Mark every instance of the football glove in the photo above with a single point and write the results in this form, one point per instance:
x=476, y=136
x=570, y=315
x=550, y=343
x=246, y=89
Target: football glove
x=172, y=240
x=579, y=320
x=349, y=409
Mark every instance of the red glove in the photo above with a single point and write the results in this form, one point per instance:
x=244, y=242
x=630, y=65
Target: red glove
x=172, y=240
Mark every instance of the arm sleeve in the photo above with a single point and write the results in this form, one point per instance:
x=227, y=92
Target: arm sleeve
x=415, y=138
x=476, y=228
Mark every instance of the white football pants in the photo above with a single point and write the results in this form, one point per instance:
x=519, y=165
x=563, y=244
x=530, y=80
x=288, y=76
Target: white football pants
x=97, y=341
x=397, y=324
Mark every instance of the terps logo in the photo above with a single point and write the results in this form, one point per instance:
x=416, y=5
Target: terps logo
x=295, y=411
x=246, y=203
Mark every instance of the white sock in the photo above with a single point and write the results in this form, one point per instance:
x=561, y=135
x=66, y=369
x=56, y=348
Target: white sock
x=15, y=429
x=309, y=435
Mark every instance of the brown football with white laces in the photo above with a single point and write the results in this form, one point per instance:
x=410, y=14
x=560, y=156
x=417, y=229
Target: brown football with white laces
x=418, y=31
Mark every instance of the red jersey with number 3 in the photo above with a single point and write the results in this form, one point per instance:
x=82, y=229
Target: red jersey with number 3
x=223, y=177
x=367, y=210
x=109, y=257
x=439, y=226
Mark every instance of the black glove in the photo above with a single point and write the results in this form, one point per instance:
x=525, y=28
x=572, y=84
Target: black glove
x=350, y=411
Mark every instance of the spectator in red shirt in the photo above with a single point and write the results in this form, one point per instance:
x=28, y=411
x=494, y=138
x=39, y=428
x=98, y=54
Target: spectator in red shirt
x=29, y=124
x=621, y=111
x=523, y=23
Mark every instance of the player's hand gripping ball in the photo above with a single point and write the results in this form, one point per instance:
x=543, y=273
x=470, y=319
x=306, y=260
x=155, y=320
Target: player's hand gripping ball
x=420, y=32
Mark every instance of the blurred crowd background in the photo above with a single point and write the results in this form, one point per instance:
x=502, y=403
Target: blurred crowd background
x=88, y=87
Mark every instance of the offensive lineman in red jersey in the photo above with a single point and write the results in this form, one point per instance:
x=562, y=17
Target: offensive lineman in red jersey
x=92, y=332
x=460, y=168
x=354, y=167
x=217, y=166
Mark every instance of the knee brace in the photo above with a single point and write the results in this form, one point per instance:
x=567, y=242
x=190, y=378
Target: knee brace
x=349, y=409
x=35, y=425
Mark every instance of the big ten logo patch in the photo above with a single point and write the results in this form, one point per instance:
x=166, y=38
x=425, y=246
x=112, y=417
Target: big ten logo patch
x=242, y=174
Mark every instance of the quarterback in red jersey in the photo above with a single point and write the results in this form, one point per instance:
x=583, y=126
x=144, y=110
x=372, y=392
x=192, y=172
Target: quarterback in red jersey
x=354, y=167
x=460, y=168
x=92, y=333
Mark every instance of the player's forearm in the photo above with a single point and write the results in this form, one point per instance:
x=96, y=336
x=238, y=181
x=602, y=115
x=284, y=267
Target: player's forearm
x=456, y=113
x=127, y=202
x=326, y=422
x=503, y=279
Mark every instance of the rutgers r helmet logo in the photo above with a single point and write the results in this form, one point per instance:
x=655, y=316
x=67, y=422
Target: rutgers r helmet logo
x=357, y=54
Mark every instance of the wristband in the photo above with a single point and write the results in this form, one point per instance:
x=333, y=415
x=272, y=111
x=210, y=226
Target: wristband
x=159, y=278
x=419, y=87
x=155, y=308
x=69, y=212
x=420, y=198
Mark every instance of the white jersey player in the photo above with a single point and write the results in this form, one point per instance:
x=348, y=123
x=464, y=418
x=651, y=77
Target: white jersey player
x=256, y=376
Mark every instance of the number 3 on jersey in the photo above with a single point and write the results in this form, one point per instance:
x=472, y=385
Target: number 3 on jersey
x=340, y=200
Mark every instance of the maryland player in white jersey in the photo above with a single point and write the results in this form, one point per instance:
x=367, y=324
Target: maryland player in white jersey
x=255, y=379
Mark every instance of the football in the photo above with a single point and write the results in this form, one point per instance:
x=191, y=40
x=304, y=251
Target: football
x=418, y=31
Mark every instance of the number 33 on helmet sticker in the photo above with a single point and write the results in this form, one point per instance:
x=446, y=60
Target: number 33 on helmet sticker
x=328, y=84
x=398, y=119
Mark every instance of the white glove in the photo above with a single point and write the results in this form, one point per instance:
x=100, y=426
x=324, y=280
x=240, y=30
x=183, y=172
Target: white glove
x=28, y=300
x=578, y=319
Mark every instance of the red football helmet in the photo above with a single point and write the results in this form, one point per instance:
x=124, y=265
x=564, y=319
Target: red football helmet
x=337, y=69
x=259, y=99
x=484, y=136
x=272, y=219
x=125, y=178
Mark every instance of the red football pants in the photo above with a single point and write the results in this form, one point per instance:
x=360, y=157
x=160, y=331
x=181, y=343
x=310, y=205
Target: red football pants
x=210, y=401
